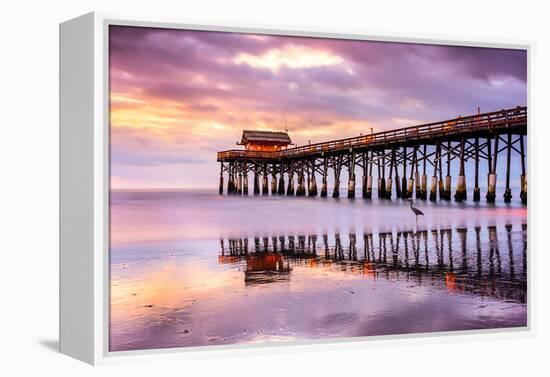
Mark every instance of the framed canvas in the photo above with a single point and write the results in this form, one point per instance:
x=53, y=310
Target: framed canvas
x=227, y=188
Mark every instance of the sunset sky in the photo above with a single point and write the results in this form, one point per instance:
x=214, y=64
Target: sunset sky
x=178, y=97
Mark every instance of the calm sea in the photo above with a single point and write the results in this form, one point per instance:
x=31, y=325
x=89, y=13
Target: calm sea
x=191, y=268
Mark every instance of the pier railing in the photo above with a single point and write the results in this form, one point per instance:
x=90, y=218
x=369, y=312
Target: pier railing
x=462, y=125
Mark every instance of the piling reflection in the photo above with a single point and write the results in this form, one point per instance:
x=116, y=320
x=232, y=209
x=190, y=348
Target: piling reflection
x=462, y=260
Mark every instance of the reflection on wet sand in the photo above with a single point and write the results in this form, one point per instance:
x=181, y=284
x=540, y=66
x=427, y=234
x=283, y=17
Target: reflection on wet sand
x=465, y=260
x=304, y=285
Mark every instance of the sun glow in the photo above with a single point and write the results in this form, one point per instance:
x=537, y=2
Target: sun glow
x=291, y=57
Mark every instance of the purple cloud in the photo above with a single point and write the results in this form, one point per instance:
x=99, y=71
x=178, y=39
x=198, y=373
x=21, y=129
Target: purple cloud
x=196, y=83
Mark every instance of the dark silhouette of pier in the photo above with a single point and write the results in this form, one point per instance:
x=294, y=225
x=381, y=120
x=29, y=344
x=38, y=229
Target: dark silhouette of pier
x=466, y=260
x=402, y=156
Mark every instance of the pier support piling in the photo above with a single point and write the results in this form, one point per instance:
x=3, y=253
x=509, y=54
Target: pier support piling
x=410, y=182
x=273, y=184
x=491, y=188
x=313, y=180
x=230, y=179
x=312, y=186
x=397, y=179
x=441, y=188
x=448, y=176
x=410, y=187
x=351, y=175
x=368, y=188
x=365, y=174
x=290, y=188
x=389, y=181
x=265, y=187
x=281, y=188
x=351, y=187
x=324, y=187
x=364, y=177
x=381, y=188
x=417, y=183
x=382, y=182
x=336, y=191
x=523, y=194
x=508, y=191
x=523, y=178
x=492, y=178
x=388, y=187
x=441, y=183
x=300, y=190
x=404, y=191
x=307, y=186
x=337, y=169
x=240, y=181
x=433, y=189
x=220, y=191
x=256, y=181
x=423, y=187
x=424, y=179
x=448, y=182
x=460, y=194
x=476, y=174
x=234, y=181
x=245, y=180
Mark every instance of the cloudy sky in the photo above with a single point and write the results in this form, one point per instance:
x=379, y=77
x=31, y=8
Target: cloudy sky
x=178, y=97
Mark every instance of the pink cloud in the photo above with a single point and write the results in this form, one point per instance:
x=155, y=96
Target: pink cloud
x=178, y=96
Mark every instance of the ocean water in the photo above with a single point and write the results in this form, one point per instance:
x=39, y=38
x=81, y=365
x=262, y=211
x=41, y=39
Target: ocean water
x=192, y=268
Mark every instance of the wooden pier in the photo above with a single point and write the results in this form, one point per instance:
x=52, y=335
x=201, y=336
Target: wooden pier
x=402, y=159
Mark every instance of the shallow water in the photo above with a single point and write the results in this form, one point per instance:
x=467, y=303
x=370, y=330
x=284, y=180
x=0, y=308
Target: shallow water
x=191, y=268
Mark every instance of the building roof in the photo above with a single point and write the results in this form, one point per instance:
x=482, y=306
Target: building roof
x=278, y=137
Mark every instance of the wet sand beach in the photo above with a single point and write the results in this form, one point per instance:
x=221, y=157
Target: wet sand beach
x=191, y=268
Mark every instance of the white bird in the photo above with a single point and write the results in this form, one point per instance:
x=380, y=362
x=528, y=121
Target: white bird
x=416, y=211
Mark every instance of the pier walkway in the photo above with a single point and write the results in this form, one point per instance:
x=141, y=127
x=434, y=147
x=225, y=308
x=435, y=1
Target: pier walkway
x=406, y=151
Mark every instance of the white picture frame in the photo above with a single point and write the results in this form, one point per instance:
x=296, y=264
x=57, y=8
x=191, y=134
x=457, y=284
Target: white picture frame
x=84, y=188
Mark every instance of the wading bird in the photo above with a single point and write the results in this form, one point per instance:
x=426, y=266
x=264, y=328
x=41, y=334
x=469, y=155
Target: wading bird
x=416, y=211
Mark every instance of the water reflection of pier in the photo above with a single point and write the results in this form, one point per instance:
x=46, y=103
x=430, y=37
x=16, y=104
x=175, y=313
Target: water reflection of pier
x=486, y=261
